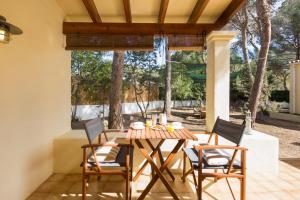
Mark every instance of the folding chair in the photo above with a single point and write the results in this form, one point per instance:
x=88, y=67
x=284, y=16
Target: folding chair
x=107, y=158
x=213, y=157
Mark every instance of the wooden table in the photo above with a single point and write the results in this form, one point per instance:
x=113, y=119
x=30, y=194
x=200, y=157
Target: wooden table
x=162, y=134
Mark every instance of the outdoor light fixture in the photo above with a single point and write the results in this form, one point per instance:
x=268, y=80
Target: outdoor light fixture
x=6, y=29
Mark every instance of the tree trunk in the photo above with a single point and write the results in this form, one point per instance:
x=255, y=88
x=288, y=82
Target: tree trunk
x=298, y=50
x=75, y=92
x=167, y=106
x=285, y=77
x=138, y=94
x=262, y=9
x=245, y=48
x=115, y=96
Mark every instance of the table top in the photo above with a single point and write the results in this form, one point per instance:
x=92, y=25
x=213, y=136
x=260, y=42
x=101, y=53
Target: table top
x=161, y=133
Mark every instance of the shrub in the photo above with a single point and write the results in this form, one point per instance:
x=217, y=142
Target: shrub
x=280, y=96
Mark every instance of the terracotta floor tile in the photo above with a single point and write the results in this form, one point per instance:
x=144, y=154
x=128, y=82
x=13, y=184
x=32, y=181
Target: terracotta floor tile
x=283, y=186
x=38, y=196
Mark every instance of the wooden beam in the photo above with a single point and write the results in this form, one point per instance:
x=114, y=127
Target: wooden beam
x=229, y=12
x=92, y=10
x=127, y=11
x=197, y=11
x=136, y=28
x=162, y=11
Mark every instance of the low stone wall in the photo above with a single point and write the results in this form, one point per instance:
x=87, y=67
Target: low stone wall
x=262, y=154
x=68, y=152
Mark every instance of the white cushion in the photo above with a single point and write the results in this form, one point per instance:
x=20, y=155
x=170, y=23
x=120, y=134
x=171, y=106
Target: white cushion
x=106, y=153
x=216, y=157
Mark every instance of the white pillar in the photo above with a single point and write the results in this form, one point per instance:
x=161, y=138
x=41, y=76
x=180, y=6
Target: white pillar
x=295, y=88
x=218, y=76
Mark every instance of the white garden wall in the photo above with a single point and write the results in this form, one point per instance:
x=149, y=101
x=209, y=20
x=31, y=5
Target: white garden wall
x=85, y=112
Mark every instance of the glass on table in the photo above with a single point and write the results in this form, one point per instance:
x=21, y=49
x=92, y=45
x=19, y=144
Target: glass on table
x=170, y=128
x=148, y=123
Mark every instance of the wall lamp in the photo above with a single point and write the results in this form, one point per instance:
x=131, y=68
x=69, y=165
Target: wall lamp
x=6, y=29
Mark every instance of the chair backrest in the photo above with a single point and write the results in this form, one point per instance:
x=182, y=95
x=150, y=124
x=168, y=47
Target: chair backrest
x=93, y=128
x=228, y=130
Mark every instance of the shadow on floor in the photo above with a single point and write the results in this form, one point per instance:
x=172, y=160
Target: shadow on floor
x=270, y=121
x=295, y=162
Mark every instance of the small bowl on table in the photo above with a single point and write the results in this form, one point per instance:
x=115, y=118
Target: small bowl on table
x=177, y=125
x=138, y=125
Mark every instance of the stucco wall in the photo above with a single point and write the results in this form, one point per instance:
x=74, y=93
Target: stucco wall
x=295, y=88
x=218, y=76
x=35, y=95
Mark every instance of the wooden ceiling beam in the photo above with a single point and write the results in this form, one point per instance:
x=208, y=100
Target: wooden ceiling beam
x=162, y=11
x=229, y=12
x=136, y=28
x=92, y=10
x=197, y=11
x=127, y=11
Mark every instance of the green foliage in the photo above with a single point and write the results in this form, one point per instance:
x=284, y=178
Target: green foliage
x=141, y=66
x=286, y=29
x=182, y=87
x=141, y=71
x=199, y=90
x=284, y=47
x=280, y=96
x=196, y=57
x=186, y=70
x=90, y=74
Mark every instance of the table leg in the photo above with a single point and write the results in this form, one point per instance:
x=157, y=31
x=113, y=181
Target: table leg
x=144, y=165
x=161, y=159
x=160, y=170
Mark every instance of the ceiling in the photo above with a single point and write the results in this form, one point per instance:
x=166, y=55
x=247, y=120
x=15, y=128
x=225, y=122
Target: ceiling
x=143, y=11
x=129, y=24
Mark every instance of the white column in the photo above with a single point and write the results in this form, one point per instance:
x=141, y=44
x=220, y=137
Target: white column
x=218, y=76
x=295, y=87
x=292, y=88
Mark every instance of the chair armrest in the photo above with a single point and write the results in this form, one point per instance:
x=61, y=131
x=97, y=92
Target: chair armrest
x=220, y=147
x=105, y=144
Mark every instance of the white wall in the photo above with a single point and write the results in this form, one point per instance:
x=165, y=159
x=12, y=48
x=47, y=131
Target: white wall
x=218, y=76
x=35, y=95
x=295, y=88
x=91, y=111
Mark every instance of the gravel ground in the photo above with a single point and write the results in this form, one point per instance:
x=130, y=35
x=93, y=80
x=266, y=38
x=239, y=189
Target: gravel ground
x=287, y=132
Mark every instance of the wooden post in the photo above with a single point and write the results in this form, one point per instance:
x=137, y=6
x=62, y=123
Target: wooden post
x=243, y=180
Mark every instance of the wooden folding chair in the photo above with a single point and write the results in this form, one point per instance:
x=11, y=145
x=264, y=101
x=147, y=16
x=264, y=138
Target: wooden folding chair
x=199, y=155
x=106, y=158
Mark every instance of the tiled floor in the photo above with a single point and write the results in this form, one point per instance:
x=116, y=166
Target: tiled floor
x=284, y=186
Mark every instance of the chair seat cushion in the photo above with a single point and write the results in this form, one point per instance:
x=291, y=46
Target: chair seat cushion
x=211, y=159
x=216, y=157
x=105, y=154
x=119, y=161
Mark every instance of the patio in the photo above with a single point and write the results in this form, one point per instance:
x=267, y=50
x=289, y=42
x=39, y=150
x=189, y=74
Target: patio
x=42, y=155
x=285, y=185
